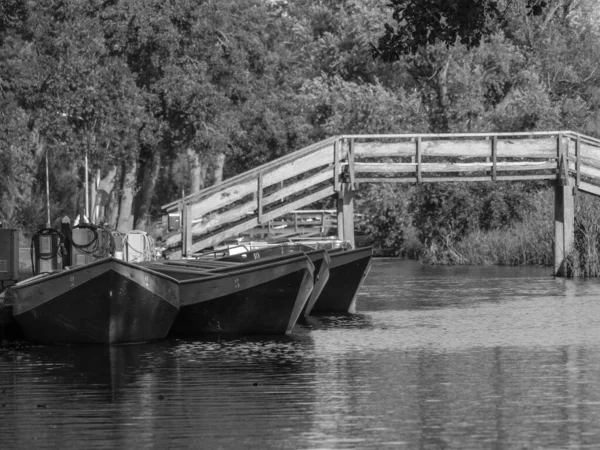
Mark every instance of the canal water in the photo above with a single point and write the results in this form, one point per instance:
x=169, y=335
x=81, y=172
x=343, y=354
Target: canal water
x=434, y=358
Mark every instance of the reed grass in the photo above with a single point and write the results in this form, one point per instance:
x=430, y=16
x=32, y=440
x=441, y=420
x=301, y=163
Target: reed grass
x=529, y=242
x=584, y=260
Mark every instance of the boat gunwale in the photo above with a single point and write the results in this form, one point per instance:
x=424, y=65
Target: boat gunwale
x=36, y=279
x=210, y=275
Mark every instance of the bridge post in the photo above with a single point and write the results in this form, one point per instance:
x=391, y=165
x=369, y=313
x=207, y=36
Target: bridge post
x=564, y=226
x=186, y=230
x=345, y=214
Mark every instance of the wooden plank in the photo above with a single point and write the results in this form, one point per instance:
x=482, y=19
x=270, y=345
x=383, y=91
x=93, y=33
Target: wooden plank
x=385, y=167
x=456, y=148
x=526, y=177
x=590, y=155
x=589, y=188
x=217, y=220
x=383, y=149
x=235, y=193
x=447, y=179
x=299, y=203
x=527, y=148
x=587, y=139
x=514, y=135
x=510, y=148
x=453, y=167
x=387, y=180
x=487, y=178
x=299, y=186
x=591, y=172
x=214, y=221
x=322, y=157
x=223, y=198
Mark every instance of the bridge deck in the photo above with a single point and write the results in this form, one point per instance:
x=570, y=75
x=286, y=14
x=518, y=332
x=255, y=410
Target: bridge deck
x=340, y=163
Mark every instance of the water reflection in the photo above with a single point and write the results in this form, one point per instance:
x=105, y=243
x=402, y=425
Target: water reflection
x=462, y=358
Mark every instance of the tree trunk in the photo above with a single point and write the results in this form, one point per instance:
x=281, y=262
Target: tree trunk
x=441, y=80
x=93, y=197
x=125, y=221
x=112, y=209
x=219, y=165
x=197, y=171
x=104, y=188
x=150, y=177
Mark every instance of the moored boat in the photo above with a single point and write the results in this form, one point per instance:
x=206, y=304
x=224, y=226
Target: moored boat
x=108, y=301
x=259, y=297
x=320, y=259
x=347, y=268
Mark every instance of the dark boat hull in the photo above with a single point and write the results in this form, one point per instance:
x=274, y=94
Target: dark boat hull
x=347, y=272
x=320, y=259
x=256, y=298
x=105, y=302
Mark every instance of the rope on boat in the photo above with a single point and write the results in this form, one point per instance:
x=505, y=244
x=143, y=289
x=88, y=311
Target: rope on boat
x=100, y=236
x=89, y=247
x=144, y=254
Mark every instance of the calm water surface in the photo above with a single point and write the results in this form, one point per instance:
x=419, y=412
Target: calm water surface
x=435, y=358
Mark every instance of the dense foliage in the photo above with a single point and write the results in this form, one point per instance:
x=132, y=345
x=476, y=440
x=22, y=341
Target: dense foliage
x=167, y=97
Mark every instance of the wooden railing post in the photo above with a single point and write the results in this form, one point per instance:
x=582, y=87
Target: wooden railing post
x=345, y=214
x=351, y=163
x=578, y=160
x=494, y=157
x=336, y=167
x=564, y=226
x=259, y=197
x=418, y=154
x=186, y=230
x=562, y=163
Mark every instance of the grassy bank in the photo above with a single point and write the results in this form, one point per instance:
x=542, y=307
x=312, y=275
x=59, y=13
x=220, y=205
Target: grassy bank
x=528, y=242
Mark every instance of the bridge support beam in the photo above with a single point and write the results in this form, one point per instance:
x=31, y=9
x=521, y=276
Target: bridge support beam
x=345, y=213
x=564, y=226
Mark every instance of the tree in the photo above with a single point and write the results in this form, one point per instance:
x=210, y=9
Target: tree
x=425, y=22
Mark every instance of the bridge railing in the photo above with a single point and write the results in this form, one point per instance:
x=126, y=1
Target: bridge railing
x=259, y=195
x=318, y=171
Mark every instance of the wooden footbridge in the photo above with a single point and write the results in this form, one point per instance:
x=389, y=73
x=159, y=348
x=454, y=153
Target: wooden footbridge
x=336, y=167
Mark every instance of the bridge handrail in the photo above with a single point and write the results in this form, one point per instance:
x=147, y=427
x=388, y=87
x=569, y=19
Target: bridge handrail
x=226, y=205
x=455, y=135
x=251, y=174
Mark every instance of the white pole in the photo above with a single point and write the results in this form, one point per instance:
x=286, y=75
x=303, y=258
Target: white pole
x=87, y=201
x=47, y=191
